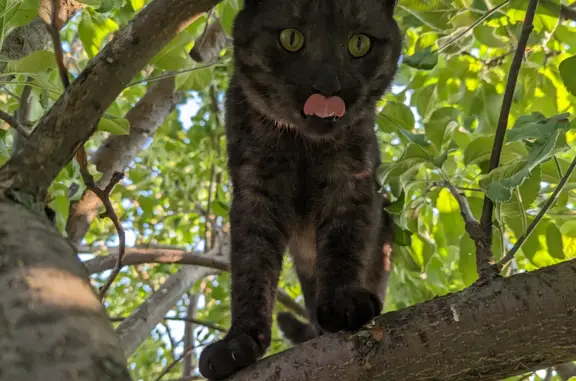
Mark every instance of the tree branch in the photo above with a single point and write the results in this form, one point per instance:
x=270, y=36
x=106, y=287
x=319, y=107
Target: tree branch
x=118, y=151
x=135, y=256
x=53, y=327
x=14, y=123
x=485, y=262
x=73, y=118
x=463, y=336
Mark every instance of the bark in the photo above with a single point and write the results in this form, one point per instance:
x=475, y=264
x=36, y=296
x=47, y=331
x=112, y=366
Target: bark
x=35, y=36
x=566, y=370
x=118, y=151
x=52, y=324
x=137, y=327
x=136, y=256
x=508, y=327
x=208, y=46
x=188, y=360
x=73, y=118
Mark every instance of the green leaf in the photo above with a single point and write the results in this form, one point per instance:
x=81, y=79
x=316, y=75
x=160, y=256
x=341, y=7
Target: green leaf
x=568, y=73
x=36, y=62
x=446, y=203
x=480, y=149
x=15, y=13
x=227, y=11
x=554, y=241
x=441, y=125
x=116, y=126
x=92, y=3
x=198, y=79
x=106, y=6
x=537, y=126
x=92, y=30
x=423, y=60
x=396, y=115
x=467, y=260
x=485, y=35
x=402, y=237
x=569, y=228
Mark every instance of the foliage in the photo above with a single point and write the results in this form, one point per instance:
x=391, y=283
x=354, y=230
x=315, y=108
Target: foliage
x=436, y=124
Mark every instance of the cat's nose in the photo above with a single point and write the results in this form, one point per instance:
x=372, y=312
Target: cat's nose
x=327, y=82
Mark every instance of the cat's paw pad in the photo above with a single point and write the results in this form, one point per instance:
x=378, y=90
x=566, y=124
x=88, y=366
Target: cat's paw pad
x=226, y=357
x=348, y=309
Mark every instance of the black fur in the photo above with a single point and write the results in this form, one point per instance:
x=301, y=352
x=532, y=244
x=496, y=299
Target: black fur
x=304, y=183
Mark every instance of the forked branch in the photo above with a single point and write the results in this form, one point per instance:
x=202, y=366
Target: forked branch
x=81, y=157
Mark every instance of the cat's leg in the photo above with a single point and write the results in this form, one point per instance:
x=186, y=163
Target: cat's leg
x=294, y=329
x=346, y=238
x=259, y=233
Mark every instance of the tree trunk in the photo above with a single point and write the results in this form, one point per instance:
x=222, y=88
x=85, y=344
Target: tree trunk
x=52, y=324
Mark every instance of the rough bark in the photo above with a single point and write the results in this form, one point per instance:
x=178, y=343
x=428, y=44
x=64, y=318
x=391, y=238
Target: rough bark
x=118, y=151
x=73, y=118
x=566, y=370
x=137, y=327
x=52, y=324
x=208, y=46
x=508, y=327
x=138, y=256
x=34, y=36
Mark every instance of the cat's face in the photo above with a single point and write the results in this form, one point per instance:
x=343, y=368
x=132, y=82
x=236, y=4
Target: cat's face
x=317, y=66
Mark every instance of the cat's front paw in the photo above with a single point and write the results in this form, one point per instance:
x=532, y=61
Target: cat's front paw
x=226, y=357
x=348, y=309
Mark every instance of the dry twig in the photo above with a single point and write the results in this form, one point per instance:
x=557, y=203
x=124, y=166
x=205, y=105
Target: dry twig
x=81, y=157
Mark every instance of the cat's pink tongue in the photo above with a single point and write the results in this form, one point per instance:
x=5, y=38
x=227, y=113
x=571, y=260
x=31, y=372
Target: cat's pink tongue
x=324, y=107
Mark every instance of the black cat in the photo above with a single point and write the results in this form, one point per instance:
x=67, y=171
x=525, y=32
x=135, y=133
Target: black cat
x=302, y=154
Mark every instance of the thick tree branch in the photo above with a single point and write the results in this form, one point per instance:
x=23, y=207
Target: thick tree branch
x=53, y=327
x=510, y=326
x=136, y=256
x=73, y=118
x=118, y=151
x=485, y=259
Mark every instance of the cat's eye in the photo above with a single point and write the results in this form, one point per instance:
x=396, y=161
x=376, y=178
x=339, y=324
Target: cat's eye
x=359, y=45
x=291, y=39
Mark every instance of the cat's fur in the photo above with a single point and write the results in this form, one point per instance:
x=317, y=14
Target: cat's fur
x=306, y=184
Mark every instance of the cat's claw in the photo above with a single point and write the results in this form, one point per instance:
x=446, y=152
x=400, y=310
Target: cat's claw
x=348, y=309
x=226, y=357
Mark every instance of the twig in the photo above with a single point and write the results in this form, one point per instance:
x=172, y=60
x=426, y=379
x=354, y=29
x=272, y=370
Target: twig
x=175, y=73
x=82, y=158
x=55, y=31
x=486, y=261
x=474, y=230
x=488, y=13
x=14, y=123
x=165, y=371
x=137, y=256
x=181, y=318
x=539, y=216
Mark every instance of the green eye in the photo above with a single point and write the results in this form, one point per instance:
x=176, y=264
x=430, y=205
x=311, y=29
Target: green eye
x=359, y=45
x=291, y=39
